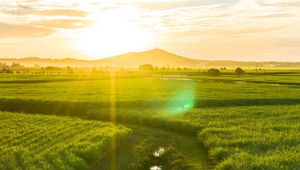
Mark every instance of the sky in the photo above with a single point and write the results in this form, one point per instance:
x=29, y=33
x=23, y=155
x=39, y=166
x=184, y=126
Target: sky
x=244, y=30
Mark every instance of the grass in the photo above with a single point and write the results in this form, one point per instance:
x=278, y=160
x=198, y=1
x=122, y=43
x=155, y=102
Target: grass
x=243, y=123
x=50, y=142
x=137, y=152
x=251, y=137
x=144, y=90
x=292, y=78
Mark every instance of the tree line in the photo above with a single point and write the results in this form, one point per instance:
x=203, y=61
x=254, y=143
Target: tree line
x=18, y=69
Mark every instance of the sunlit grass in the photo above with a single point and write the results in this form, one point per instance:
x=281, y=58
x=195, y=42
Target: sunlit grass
x=49, y=142
x=251, y=137
x=244, y=125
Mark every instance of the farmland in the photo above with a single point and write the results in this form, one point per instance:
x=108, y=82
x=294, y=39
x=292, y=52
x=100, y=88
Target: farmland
x=243, y=122
x=49, y=142
x=150, y=85
x=252, y=137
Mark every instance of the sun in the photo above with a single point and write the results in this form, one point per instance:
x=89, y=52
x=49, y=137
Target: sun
x=112, y=34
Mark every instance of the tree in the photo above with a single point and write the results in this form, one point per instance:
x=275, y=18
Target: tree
x=6, y=70
x=52, y=68
x=69, y=70
x=15, y=65
x=94, y=70
x=239, y=71
x=213, y=72
x=146, y=67
x=3, y=65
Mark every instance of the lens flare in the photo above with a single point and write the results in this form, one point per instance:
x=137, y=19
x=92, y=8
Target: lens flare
x=182, y=102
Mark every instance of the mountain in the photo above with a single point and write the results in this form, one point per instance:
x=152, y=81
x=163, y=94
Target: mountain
x=156, y=57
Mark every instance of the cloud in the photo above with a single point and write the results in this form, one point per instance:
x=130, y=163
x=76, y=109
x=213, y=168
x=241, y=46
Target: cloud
x=64, y=23
x=164, y=5
x=282, y=3
x=273, y=16
x=243, y=16
x=214, y=27
x=26, y=10
x=290, y=4
x=248, y=30
x=11, y=30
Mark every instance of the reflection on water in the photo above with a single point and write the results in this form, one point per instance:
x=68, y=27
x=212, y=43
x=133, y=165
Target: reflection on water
x=155, y=168
x=159, y=152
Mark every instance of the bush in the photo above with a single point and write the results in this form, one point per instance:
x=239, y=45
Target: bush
x=146, y=67
x=239, y=71
x=6, y=70
x=213, y=72
x=69, y=70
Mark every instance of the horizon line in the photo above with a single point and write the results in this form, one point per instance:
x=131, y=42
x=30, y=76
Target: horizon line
x=80, y=59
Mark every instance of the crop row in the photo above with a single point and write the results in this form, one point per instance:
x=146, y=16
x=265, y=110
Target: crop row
x=50, y=142
x=252, y=137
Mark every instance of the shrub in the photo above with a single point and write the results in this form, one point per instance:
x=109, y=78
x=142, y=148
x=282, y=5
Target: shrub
x=213, y=72
x=239, y=71
x=146, y=67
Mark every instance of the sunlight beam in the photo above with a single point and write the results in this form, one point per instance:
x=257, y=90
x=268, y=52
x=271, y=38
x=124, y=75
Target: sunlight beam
x=113, y=33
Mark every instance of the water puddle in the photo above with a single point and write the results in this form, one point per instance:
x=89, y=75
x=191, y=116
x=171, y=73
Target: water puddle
x=155, y=168
x=159, y=152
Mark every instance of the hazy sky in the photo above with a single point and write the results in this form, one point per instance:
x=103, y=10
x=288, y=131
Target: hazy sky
x=203, y=29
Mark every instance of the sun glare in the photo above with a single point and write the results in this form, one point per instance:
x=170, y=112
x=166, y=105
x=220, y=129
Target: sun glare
x=112, y=34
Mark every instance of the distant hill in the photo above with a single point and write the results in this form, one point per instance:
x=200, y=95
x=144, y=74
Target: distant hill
x=33, y=61
x=156, y=57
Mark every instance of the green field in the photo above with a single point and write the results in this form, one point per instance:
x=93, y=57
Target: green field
x=249, y=121
x=49, y=142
